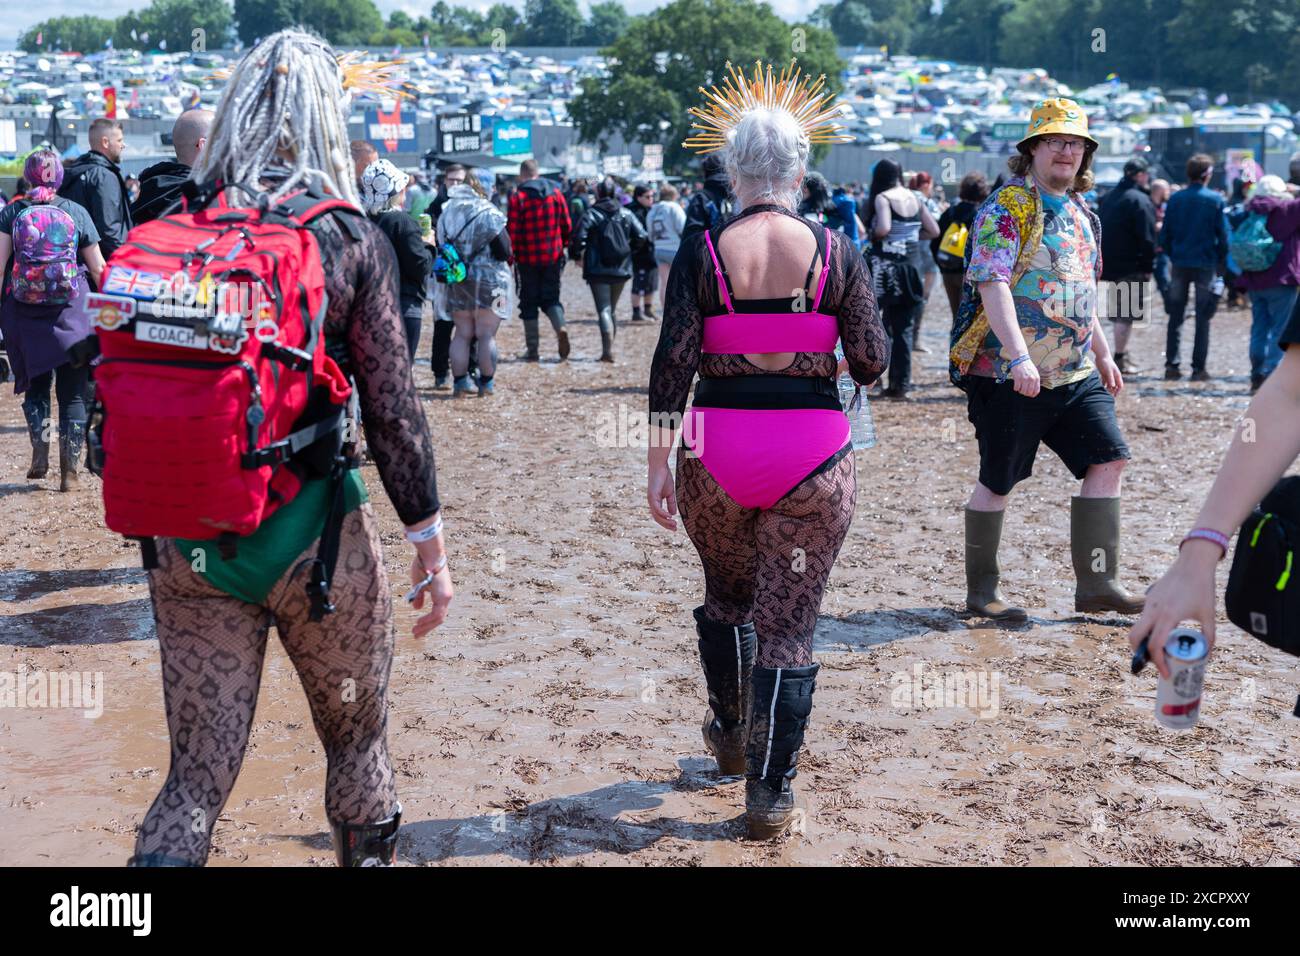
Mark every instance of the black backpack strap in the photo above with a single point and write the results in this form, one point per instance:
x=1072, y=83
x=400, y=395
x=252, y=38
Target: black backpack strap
x=148, y=553
x=302, y=208
x=277, y=453
x=327, y=552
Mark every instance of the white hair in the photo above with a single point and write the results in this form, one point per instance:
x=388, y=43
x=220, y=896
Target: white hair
x=766, y=153
x=286, y=94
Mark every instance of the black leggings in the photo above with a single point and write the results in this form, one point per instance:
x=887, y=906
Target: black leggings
x=606, y=296
x=69, y=385
x=768, y=566
x=212, y=646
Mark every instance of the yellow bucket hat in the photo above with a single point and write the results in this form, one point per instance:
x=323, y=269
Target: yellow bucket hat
x=1057, y=115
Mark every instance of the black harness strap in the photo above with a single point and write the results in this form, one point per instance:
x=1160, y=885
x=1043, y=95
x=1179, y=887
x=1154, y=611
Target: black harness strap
x=277, y=453
x=327, y=553
x=148, y=553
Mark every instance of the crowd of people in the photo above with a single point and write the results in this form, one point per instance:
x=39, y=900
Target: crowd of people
x=1024, y=263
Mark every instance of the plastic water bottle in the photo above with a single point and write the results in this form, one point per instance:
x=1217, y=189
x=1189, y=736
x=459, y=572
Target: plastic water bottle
x=853, y=399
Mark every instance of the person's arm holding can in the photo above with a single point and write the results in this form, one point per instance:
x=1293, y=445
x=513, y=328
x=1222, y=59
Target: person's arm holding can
x=1250, y=469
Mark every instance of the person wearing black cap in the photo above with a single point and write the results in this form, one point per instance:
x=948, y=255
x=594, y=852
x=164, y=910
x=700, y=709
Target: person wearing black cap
x=1128, y=253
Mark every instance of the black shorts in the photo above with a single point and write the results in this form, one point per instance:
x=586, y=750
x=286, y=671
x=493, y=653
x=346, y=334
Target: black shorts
x=1077, y=421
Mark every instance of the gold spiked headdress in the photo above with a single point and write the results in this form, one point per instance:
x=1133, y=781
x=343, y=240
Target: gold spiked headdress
x=803, y=99
x=357, y=76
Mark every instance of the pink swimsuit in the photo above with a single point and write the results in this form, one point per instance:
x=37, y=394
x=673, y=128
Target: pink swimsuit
x=761, y=436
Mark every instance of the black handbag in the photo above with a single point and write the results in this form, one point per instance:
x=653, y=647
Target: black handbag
x=1263, y=596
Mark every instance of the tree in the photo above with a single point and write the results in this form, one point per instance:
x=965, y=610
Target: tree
x=660, y=61
x=345, y=22
x=607, y=22
x=1061, y=52
x=551, y=23
x=504, y=17
x=82, y=34
x=260, y=18
x=170, y=25
x=873, y=23
x=967, y=31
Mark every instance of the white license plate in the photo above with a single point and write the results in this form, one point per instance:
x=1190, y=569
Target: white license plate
x=161, y=333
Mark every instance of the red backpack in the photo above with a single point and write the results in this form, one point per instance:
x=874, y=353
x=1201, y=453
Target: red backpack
x=215, y=397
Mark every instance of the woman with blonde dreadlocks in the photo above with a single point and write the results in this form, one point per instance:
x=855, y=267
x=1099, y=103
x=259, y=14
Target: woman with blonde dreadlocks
x=281, y=127
x=765, y=468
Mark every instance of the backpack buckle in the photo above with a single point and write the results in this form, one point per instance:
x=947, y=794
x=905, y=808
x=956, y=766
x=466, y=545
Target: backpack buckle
x=318, y=592
x=274, y=454
x=296, y=359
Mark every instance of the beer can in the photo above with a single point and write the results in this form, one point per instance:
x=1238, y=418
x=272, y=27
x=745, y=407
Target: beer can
x=1178, y=698
x=426, y=224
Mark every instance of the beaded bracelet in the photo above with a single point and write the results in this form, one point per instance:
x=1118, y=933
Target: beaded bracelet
x=1015, y=362
x=1207, y=534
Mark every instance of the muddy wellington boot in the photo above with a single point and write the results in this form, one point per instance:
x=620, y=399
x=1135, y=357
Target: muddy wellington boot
x=606, y=338
x=37, y=415
x=1094, y=549
x=779, y=711
x=556, y=314
x=71, y=437
x=531, y=341
x=367, y=844
x=727, y=655
x=983, y=534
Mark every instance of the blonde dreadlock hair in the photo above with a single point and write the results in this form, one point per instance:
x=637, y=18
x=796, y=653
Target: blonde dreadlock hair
x=285, y=94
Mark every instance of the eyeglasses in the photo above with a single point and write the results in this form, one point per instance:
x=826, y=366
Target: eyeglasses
x=1058, y=145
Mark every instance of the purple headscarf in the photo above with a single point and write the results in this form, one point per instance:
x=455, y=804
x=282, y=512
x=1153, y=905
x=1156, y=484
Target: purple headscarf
x=44, y=170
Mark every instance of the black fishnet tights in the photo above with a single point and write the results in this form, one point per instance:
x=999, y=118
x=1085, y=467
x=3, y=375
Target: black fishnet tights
x=212, y=649
x=768, y=566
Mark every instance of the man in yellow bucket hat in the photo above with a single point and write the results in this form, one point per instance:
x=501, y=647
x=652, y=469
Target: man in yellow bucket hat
x=1029, y=351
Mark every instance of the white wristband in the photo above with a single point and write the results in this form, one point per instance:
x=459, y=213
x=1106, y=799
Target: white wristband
x=425, y=534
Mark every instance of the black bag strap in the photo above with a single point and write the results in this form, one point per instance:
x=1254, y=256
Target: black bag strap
x=327, y=552
x=277, y=453
x=461, y=231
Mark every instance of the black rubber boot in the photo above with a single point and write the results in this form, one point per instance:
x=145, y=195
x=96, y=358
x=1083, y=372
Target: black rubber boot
x=983, y=534
x=1095, y=553
x=157, y=859
x=38, y=416
x=531, y=341
x=367, y=844
x=779, y=712
x=636, y=313
x=606, y=337
x=71, y=437
x=556, y=314
x=727, y=656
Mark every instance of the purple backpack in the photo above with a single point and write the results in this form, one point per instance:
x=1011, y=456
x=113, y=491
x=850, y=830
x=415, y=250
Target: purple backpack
x=45, y=255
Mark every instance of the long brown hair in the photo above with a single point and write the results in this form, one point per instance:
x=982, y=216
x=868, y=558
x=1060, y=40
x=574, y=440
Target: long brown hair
x=1022, y=163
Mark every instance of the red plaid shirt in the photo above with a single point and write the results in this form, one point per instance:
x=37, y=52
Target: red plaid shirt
x=539, y=228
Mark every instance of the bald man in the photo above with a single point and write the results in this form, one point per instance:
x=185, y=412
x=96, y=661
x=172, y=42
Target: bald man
x=160, y=184
x=363, y=154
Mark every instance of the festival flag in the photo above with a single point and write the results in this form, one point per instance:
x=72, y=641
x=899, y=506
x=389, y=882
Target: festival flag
x=40, y=37
x=110, y=102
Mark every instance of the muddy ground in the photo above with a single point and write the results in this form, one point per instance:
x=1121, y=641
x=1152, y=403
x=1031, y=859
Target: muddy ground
x=555, y=718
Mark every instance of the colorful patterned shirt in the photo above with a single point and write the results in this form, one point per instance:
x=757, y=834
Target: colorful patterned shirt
x=1046, y=249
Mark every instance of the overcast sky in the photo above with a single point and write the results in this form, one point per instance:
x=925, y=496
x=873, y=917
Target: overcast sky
x=21, y=16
